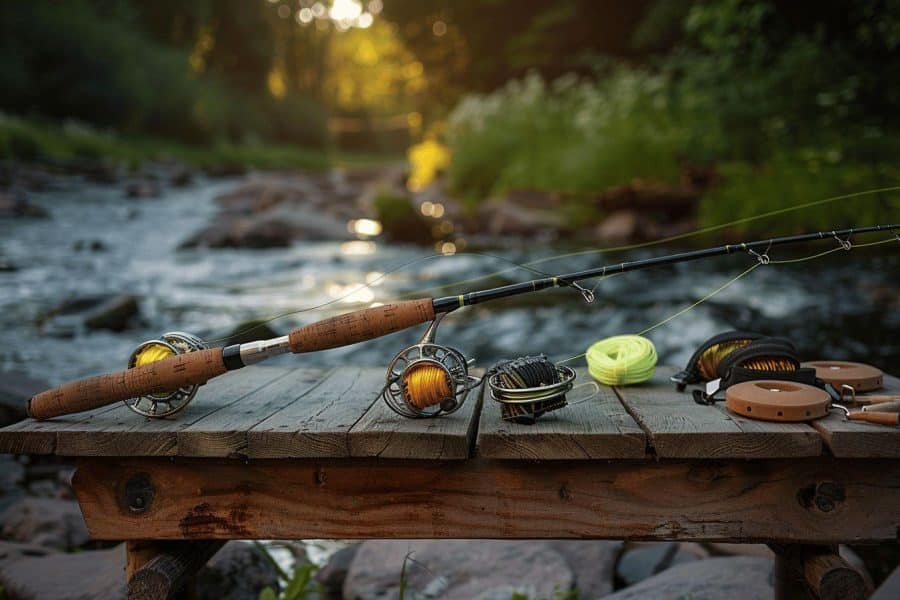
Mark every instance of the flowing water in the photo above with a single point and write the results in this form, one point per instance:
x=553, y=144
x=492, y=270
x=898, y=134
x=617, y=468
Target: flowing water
x=844, y=306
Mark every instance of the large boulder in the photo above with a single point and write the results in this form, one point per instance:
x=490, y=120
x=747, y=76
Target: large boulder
x=239, y=571
x=45, y=522
x=115, y=313
x=332, y=576
x=645, y=560
x=94, y=575
x=458, y=570
x=737, y=578
x=275, y=228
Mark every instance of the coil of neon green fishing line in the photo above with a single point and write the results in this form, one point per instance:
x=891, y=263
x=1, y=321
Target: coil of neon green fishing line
x=622, y=360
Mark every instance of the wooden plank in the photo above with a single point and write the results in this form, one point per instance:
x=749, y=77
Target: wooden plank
x=223, y=433
x=598, y=428
x=853, y=439
x=814, y=500
x=318, y=423
x=39, y=437
x=127, y=434
x=383, y=433
x=678, y=427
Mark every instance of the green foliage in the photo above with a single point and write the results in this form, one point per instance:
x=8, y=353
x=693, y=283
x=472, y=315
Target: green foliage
x=31, y=140
x=788, y=180
x=91, y=61
x=789, y=107
x=299, y=586
x=572, y=135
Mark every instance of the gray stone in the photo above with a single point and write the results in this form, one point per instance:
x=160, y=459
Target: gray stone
x=115, y=313
x=142, y=189
x=45, y=522
x=239, y=571
x=645, y=560
x=15, y=551
x=889, y=588
x=95, y=575
x=734, y=578
x=592, y=561
x=726, y=549
x=458, y=569
x=332, y=575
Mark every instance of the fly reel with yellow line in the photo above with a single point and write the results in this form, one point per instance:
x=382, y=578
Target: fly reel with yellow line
x=168, y=345
x=428, y=379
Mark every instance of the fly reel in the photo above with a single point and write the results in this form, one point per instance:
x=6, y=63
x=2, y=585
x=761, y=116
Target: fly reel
x=166, y=403
x=427, y=379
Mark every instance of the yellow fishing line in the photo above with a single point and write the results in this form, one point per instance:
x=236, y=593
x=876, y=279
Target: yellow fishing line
x=622, y=360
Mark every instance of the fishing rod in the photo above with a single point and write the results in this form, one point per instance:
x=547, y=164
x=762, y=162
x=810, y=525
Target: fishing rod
x=182, y=362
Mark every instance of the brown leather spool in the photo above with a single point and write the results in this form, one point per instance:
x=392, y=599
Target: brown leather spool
x=777, y=400
x=861, y=377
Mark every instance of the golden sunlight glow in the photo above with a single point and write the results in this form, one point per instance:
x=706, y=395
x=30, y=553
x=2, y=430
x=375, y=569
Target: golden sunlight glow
x=367, y=227
x=276, y=83
x=350, y=294
x=448, y=248
x=357, y=248
x=426, y=160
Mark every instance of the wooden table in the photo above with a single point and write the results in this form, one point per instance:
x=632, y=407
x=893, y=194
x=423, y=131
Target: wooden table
x=278, y=453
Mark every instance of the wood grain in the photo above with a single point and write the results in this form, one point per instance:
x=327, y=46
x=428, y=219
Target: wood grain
x=598, y=428
x=381, y=432
x=817, y=500
x=223, y=433
x=318, y=424
x=678, y=427
x=854, y=439
x=123, y=433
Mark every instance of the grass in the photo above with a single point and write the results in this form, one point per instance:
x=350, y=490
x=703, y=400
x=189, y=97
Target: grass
x=30, y=140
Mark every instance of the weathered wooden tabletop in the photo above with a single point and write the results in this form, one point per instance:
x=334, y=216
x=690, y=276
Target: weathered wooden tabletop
x=269, y=412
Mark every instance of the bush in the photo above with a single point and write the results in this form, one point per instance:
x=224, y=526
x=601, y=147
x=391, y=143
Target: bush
x=572, y=135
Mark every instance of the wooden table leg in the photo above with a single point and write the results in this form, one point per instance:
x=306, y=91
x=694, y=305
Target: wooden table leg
x=164, y=570
x=815, y=572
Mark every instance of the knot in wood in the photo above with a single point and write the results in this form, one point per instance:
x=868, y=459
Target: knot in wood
x=138, y=493
x=824, y=496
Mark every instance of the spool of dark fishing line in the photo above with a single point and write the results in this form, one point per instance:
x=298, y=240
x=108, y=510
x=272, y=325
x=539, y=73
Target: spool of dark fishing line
x=528, y=387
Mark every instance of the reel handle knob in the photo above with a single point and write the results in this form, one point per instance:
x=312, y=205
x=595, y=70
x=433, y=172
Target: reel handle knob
x=191, y=368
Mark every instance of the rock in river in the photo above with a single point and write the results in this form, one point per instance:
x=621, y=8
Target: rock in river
x=45, y=522
x=737, y=578
x=14, y=203
x=116, y=313
x=480, y=569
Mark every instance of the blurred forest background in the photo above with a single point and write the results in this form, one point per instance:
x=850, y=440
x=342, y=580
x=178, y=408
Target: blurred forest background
x=773, y=102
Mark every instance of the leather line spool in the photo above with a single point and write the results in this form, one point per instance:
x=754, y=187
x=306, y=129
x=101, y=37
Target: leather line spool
x=859, y=376
x=776, y=400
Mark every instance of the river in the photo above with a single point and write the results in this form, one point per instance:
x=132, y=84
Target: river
x=844, y=306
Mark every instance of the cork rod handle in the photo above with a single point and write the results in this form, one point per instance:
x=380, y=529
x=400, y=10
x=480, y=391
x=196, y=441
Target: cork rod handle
x=880, y=418
x=154, y=378
x=361, y=325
